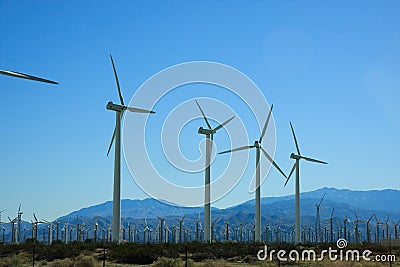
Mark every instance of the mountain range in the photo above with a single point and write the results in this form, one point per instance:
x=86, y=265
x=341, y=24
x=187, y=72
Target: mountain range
x=384, y=204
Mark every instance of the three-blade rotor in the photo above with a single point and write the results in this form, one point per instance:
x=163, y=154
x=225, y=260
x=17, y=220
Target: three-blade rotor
x=25, y=76
x=299, y=156
x=122, y=106
x=258, y=145
x=208, y=124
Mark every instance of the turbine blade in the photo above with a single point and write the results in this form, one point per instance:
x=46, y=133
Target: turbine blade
x=295, y=140
x=273, y=162
x=333, y=209
x=236, y=149
x=25, y=76
x=322, y=199
x=204, y=116
x=116, y=79
x=265, y=125
x=35, y=217
x=224, y=123
x=356, y=215
x=139, y=110
x=314, y=160
x=290, y=174
x=370, y=217
x=112, y=141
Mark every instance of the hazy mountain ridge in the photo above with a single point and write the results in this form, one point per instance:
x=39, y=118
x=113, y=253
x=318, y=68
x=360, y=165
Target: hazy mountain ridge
x=376, y=200
x=135, y=209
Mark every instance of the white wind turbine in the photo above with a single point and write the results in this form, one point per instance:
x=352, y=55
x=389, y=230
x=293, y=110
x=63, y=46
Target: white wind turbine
x=209, y=133
x=258, y=147
x=25, y=76
x=318, y=236
x=296, y=166
x=119, y=111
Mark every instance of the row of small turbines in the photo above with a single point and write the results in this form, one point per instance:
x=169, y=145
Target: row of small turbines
x=174, y=230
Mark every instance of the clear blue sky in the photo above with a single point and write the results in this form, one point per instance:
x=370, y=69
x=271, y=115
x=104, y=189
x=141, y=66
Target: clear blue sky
x=332, y=67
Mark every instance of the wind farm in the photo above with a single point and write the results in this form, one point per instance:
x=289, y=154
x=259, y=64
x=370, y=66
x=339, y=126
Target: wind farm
x=201, y=168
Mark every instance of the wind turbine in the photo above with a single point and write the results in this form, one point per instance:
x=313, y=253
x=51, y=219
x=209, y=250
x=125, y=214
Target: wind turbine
x=377, y=223
x=396, y=236
x=345, y=221
x=180, y=227
x=368, y=229
x=213, y=229
x=3, y=232
x=198, y=226
x=258, y=147
x=387, y=227
x=119, y=111
x=1, y=213
x=19, y=218
x=25, y=76
x=161, y=223
x=12, y=222
x=1, y=224
x=318, y=222
x=145, y=229
x=0, y=217
x=330, y=219
x=95, y=229
x=36, y=226
x=209, y=133
x=296, y=166
x=357, y=233
x=57, y=229
x=50, y=229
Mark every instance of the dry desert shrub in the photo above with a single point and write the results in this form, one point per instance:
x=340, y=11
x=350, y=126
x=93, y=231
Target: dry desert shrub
x=167, y=262
x=80, y=261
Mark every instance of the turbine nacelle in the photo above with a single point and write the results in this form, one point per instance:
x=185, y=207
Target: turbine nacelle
x=257, y=144
x=206, y=131
x=294, y=156
x=115, y=107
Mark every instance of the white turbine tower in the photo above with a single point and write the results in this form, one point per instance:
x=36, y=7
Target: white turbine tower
x=296, y=166
x=209, y=133
x=119, y=111
x=258, y=147
x=25, y=76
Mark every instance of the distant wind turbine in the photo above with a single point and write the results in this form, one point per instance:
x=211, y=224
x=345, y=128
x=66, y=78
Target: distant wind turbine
x=296, y=166
x=119, y=111
x=318, y=222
